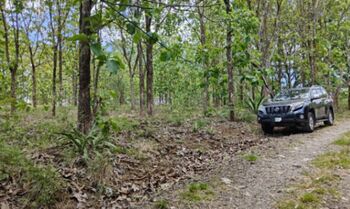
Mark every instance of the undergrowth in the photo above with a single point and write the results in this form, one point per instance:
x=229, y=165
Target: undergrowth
x=43, y=182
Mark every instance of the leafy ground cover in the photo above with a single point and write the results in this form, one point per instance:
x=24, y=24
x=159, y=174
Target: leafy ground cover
x=120, y=163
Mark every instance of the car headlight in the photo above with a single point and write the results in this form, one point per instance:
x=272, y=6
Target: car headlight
x=262, y=109
x=297, y=106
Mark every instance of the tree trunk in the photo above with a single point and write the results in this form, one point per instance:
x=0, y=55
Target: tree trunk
x=34, y=99
x=149, y=67
x=32, y=63
x=348, y=95
x=54, y=92
x=84, y=109
x=97, y=75
x=75, y=88
x=12, y=67
x=13, y=89
x=203, y=40
x=229, y=64
x=60, y=54
x=8, y=60
x=142, y=79
x=132, y=92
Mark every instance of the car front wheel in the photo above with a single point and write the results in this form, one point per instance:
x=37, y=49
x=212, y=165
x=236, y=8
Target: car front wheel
x=310, y=125
x=330, y=118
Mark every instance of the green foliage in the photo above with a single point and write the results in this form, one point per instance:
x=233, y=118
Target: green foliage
x=161, y=204
x=333, y=160
x=96, y=141
x=79, y=37
x=309, y=198
x=44, y=181
x=84, y=144
x=253, y=104
x=250, y=157
x=45, y=185
x=344, y=140
x=124, y=124
x=199, y=124
x=245, y=115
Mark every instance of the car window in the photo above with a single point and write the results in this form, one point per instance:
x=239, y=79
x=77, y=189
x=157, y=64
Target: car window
x=315, y=93
x=291, y=94
x=324, y=92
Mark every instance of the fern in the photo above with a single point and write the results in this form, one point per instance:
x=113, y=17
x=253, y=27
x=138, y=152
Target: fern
x=253, y=104
x=93, y=142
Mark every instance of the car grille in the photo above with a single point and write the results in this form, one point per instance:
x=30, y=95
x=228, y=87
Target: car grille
x=277, y=109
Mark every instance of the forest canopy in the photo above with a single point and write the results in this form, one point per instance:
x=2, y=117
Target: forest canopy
x=145, y=53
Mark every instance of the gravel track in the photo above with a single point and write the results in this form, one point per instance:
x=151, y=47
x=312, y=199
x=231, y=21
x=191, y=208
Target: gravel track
x=259, y=185
x=281, y=162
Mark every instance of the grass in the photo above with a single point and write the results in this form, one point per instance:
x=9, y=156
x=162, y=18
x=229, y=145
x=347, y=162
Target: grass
x=321, y=183
x=199, y=124
x=343, y=141
x=250, y=157
x=44, y=182
x=309, y=198
x=161, y=204
x=311, y=191
x=332, y=160
x=197, y=192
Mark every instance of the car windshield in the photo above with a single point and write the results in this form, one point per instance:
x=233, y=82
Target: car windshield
x=292, y=94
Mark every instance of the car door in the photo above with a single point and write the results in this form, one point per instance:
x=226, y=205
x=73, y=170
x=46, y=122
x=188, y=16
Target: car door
x=316, y=102
x=323, y=105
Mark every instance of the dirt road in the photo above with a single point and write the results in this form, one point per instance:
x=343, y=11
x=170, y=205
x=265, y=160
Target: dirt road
x=281, y=162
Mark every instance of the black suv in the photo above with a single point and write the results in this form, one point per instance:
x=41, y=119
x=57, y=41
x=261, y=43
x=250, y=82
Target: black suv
x=298, y=107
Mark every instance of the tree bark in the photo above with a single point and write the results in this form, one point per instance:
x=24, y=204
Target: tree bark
x=229, y=64
x=348, y=95
x=203, y=40
x=141, y=78
x=54, y=92
x=34, y=99
x=11, y=66
x=13, y=89
x=75, y=90
x=60, y=54
x=149, y=67
x=54, y=60
x=84, y=109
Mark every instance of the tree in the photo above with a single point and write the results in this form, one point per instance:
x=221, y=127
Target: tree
x=204, y=52
x=128, y=54
x=229, y=64
x=149, y=63
x=12, y=64
x=84, y=109
x=33, y=21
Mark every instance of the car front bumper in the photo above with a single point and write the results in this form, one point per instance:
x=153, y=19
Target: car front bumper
x=283, y=119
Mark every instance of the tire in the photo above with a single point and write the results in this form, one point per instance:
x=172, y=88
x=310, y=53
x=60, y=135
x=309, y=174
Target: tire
x=267, y=128
x=311, y=122
x=330, y=118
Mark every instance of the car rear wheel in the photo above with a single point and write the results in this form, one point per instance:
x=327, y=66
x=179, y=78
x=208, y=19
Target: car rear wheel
x=267, y=128
x=311, y=122
x=330, y=118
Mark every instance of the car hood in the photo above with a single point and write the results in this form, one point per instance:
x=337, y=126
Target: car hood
x=283, y=103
